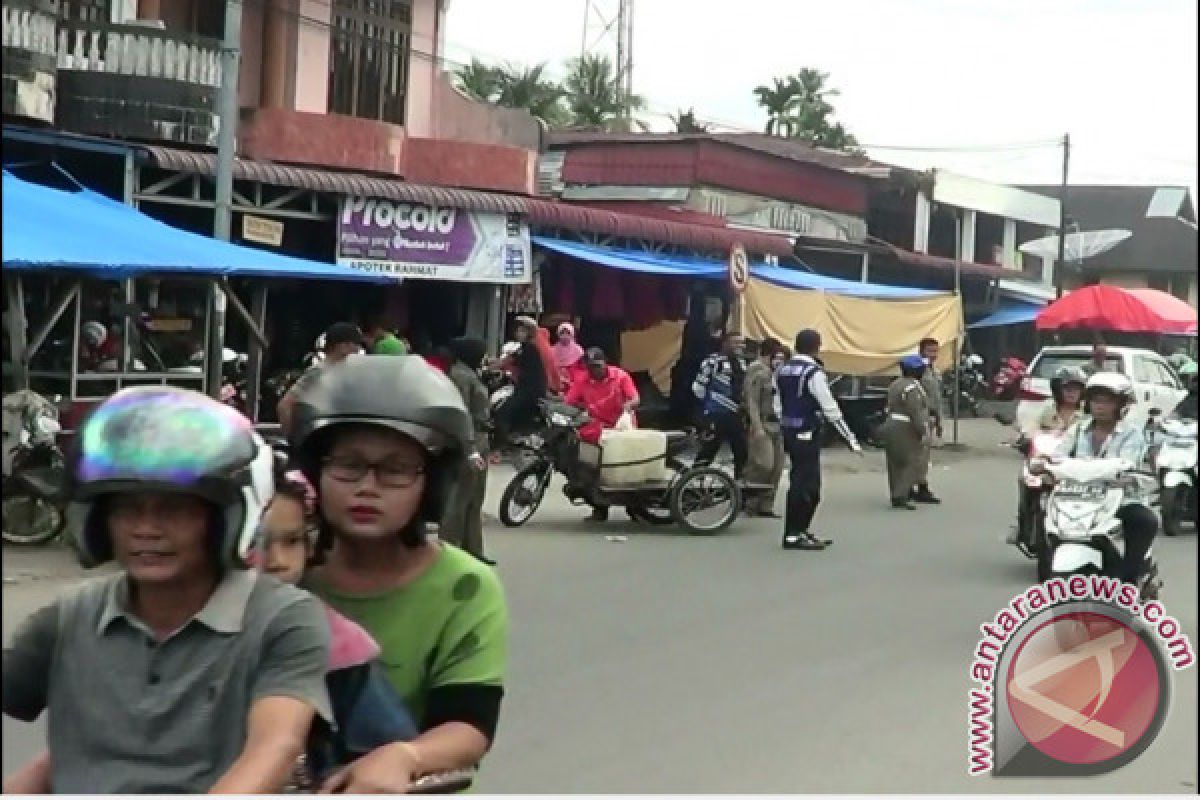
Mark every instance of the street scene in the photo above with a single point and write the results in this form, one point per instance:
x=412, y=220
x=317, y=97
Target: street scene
x=430, y=396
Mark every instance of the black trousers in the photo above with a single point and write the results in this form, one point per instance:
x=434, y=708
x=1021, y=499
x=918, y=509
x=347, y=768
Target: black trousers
x=725, y=427
x=804, y=479
x=1141, y=526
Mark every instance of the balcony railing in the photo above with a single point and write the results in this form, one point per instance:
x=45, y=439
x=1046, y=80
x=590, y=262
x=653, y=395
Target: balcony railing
x=29, y=51
x=138, y=50
x=135, y=81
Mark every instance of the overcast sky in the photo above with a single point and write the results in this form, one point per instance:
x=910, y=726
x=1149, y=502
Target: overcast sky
x=1119, y=75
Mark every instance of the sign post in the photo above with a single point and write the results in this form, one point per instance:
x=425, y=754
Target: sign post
x=739, y=275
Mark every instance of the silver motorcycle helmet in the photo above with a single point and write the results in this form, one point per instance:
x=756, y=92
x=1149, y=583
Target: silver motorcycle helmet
x=400, y=393
x=1066, y=376
x=156, y=438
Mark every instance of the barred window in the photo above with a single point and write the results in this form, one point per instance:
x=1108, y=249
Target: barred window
x=368, y=64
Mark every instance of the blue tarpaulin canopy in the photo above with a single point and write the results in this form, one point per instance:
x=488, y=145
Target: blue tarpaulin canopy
x=46, y=229
x=1012, y=312
x=689, y=266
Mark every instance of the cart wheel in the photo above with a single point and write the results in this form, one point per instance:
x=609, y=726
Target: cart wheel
x=705, y=501
x=30, y=520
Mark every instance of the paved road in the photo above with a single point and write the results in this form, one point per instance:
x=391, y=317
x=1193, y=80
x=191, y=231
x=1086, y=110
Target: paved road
x=664, y=663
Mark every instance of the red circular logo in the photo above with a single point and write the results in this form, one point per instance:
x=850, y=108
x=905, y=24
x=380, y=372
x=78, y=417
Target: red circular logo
x=1083, y=688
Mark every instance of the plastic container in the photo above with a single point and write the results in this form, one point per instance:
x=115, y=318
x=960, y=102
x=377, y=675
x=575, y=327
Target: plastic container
x=629, y=458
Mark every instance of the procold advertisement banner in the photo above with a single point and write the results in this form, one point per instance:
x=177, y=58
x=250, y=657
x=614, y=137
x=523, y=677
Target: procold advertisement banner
x=414, y=240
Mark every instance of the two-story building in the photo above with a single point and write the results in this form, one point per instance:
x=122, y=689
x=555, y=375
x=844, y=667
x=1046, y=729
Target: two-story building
x=352, y=145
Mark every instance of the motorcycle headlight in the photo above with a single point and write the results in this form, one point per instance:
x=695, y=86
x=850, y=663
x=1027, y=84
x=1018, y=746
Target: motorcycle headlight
x=559, y=419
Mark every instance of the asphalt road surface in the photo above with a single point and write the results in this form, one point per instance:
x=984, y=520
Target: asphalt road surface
x=662, y=663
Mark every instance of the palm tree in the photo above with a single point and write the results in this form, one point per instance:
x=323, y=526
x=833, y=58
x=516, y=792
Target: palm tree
x=527, y=88
x=686, y=122
x=478, y=80
x=594, y=96
x=779, y=101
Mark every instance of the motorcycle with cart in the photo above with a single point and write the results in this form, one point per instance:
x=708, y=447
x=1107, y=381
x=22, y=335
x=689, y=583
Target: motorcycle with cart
x=655, y=486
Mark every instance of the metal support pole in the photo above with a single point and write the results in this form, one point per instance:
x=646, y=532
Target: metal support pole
x=258, y=347
x=14, y=286
x=256, y=332
x=1062, y=218
x=227, y=103
x=957, y=339
x=39, y=338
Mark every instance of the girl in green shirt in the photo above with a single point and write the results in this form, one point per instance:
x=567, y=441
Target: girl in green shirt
x=381, y=438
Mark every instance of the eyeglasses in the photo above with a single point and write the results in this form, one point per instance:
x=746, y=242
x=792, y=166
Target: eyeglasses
x=392, y=474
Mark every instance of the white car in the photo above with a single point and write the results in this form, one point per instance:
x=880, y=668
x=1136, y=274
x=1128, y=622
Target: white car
x=1155, y=383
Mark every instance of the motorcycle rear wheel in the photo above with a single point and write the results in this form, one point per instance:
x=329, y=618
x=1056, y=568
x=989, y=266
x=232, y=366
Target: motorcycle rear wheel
x=30, y=520
x=1172, y=519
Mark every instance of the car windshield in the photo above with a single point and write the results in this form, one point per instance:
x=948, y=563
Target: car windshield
x=1051, y=363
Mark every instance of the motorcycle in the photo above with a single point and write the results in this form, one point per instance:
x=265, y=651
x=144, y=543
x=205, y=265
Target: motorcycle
x=1006, y=383
x=1083, y=533
x=971, y=386
x=1176, y=467
x=34, y=470
x=1032, y=492
x=685, y=495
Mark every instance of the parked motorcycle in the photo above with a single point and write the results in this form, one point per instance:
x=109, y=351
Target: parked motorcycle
x=703, y=500
x=34, y=505
x=972, y=387
x=1006, y=383
x=1176, y=467
x=1032, y=492
x=1083, y=533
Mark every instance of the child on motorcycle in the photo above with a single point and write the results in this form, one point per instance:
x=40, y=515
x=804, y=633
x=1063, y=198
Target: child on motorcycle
x=367, y=710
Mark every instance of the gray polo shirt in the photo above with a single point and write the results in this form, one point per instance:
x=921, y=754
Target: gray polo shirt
x=129, y=714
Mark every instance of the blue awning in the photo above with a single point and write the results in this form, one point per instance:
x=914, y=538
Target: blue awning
x=1009, y=313
x=688, y=266
x=50, y=229
x=635, y=260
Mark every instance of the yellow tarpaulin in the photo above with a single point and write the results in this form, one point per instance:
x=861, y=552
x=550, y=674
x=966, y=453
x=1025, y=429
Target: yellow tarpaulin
x=654, y=350
x=859, y=335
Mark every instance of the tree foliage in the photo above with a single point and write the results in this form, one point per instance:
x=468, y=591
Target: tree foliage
x=686, y=122
x=798, y=107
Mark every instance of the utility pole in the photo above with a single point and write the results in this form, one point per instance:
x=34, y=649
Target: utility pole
x=227, y=108
x=1062, y=218
x=625, y=59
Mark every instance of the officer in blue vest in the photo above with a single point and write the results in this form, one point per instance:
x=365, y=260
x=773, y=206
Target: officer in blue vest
x=806, y=404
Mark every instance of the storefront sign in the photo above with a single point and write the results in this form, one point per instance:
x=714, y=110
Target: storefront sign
x=263, y=231
x=739, y=269
x=413, y=240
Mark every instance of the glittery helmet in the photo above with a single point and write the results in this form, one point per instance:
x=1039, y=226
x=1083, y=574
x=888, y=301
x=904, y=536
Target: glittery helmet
x=155, y=438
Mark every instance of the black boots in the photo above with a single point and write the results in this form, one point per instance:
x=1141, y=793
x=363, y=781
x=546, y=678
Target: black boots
x=922, y=495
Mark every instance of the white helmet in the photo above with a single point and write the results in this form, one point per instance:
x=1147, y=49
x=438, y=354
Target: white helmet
x=94, y=333
x=1113, y=383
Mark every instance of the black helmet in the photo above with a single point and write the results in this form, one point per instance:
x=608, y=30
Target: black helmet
x=175, y=440
x=401, y=393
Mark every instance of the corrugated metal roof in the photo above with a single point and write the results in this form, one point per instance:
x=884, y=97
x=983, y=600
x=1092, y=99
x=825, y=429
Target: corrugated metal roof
x=758, y=142
x=539, y=212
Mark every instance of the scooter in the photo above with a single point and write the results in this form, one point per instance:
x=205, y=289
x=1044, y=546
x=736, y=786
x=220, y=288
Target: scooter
x=1032, y=491
x=971, y=386
x=1176, y=467
x=1006, y=383
x=1084, y=536
x=34, y=505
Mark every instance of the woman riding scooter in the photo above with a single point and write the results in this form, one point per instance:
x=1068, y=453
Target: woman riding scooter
x=1060, y=412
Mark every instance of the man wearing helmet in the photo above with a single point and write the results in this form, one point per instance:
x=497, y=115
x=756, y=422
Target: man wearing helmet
x=383, y=439
x=1105, y=433
x=184, y=672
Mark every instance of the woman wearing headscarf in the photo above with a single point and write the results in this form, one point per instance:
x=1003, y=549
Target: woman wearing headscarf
x=568, y=355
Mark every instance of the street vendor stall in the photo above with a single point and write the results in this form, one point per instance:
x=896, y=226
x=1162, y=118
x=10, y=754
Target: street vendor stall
x=145, y=285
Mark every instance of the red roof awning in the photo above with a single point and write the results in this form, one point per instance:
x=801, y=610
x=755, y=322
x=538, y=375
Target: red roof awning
x=1110, y=308
x=547, y=213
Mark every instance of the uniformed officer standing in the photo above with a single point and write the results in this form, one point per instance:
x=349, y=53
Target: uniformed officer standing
x=906, y=430
x=765, y=465
x=932, y=383
x=806, y=404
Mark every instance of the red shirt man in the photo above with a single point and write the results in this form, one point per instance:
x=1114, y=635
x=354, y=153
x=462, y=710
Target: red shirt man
x=605, y=394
